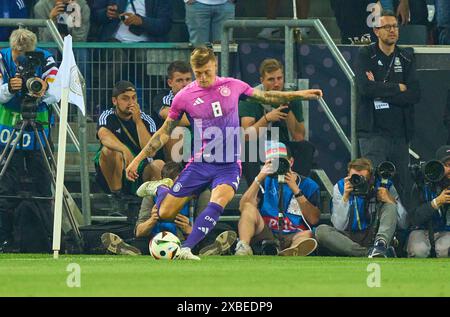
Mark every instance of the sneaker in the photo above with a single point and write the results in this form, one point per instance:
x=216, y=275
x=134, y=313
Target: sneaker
x=186, y=254
x=243, y=248
x=114, y=244
x=149, y=188
x=303, y=248
x=221, y=245
x=269, y=34
x=378, y=250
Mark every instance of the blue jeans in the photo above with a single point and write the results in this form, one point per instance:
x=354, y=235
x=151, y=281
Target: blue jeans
x=443, y=20
x=205, y=22
x=387, y=4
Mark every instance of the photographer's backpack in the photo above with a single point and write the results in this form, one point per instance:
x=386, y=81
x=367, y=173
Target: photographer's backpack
x=33, y=226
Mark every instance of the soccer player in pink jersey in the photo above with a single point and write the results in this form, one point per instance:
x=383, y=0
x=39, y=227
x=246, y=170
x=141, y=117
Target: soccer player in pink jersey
x=211, y=105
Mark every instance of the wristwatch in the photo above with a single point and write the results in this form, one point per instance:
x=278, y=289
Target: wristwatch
x=299, y=194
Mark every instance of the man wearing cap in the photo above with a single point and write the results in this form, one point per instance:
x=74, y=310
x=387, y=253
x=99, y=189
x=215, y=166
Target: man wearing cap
x=429, y=219
x=123, y=131
x=259, y=207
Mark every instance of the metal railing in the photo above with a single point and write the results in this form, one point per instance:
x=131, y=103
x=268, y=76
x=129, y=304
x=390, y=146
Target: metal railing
x=289, y=26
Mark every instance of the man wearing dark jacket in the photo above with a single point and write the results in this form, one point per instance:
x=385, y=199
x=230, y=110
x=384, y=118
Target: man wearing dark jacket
x=431, y=232
x=388, y=87
x=134, y=20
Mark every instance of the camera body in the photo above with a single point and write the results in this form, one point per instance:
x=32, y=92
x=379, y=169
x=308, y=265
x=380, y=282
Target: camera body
x=283, y=167
x=360, y=185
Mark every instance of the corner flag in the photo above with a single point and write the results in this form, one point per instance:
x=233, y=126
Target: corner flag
x=68, y=77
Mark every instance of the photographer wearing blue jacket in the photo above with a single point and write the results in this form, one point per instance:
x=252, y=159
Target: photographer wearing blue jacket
x=431, y=198
x=25, y=75
x=284, y=230
x=365, y=214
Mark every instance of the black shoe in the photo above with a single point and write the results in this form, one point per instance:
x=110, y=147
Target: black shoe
x=378, y=250
x=270, y=247
x=391, y=252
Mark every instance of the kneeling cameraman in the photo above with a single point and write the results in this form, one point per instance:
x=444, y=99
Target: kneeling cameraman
x=25, y=74
x=431, y=198
x=365, y=214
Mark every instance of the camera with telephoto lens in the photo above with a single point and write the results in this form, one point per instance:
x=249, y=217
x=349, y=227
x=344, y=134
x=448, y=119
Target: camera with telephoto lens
x=385, y=171
x=26, y=69
x=360, y=185
x=427, y=172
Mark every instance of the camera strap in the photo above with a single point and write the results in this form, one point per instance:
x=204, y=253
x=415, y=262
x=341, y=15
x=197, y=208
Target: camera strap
x=132, y=6
x=128, y=133
x=385, y=79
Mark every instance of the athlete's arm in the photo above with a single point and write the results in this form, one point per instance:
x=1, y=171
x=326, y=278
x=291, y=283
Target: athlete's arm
x=280, y=97
x=156, y=142
x=164, y=113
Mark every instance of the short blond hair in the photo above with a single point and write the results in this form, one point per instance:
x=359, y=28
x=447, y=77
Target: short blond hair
x=23, y=40
x=270, y=65
x=361, y=164
x=202, y=56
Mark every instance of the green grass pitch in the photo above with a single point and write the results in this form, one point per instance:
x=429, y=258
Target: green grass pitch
x=41, y=275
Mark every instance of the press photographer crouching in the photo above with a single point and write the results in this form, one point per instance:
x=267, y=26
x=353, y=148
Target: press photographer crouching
x=25, y=73
x=430, y=200
x=279, y=210
x=365, y=213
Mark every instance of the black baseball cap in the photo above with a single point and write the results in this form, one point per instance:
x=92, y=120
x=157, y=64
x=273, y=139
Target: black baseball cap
x=443, y=153
x=122, y=86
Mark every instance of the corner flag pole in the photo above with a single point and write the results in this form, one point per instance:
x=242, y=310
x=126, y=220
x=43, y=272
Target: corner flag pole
x=60, y=172
x=66, y=82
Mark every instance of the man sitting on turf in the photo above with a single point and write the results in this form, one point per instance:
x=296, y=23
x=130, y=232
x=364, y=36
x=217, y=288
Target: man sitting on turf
x=259, y=222
x=148, y=223
x=123, y=131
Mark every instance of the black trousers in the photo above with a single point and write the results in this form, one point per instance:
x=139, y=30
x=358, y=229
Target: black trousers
x=24, y=164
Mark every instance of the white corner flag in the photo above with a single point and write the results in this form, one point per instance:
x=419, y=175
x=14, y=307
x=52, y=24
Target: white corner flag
x=67, y=85
x=68, y=77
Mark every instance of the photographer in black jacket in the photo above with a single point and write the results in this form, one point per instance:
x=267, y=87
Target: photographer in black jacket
x=388, y=87
x=431, y=199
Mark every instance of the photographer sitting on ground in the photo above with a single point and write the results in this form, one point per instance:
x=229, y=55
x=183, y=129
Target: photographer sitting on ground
x=429, y=217
x=354, y=213
x=25, y=74
x=259, y=222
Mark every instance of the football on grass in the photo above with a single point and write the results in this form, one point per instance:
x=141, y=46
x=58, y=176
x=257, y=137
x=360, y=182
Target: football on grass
x=165, y=245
